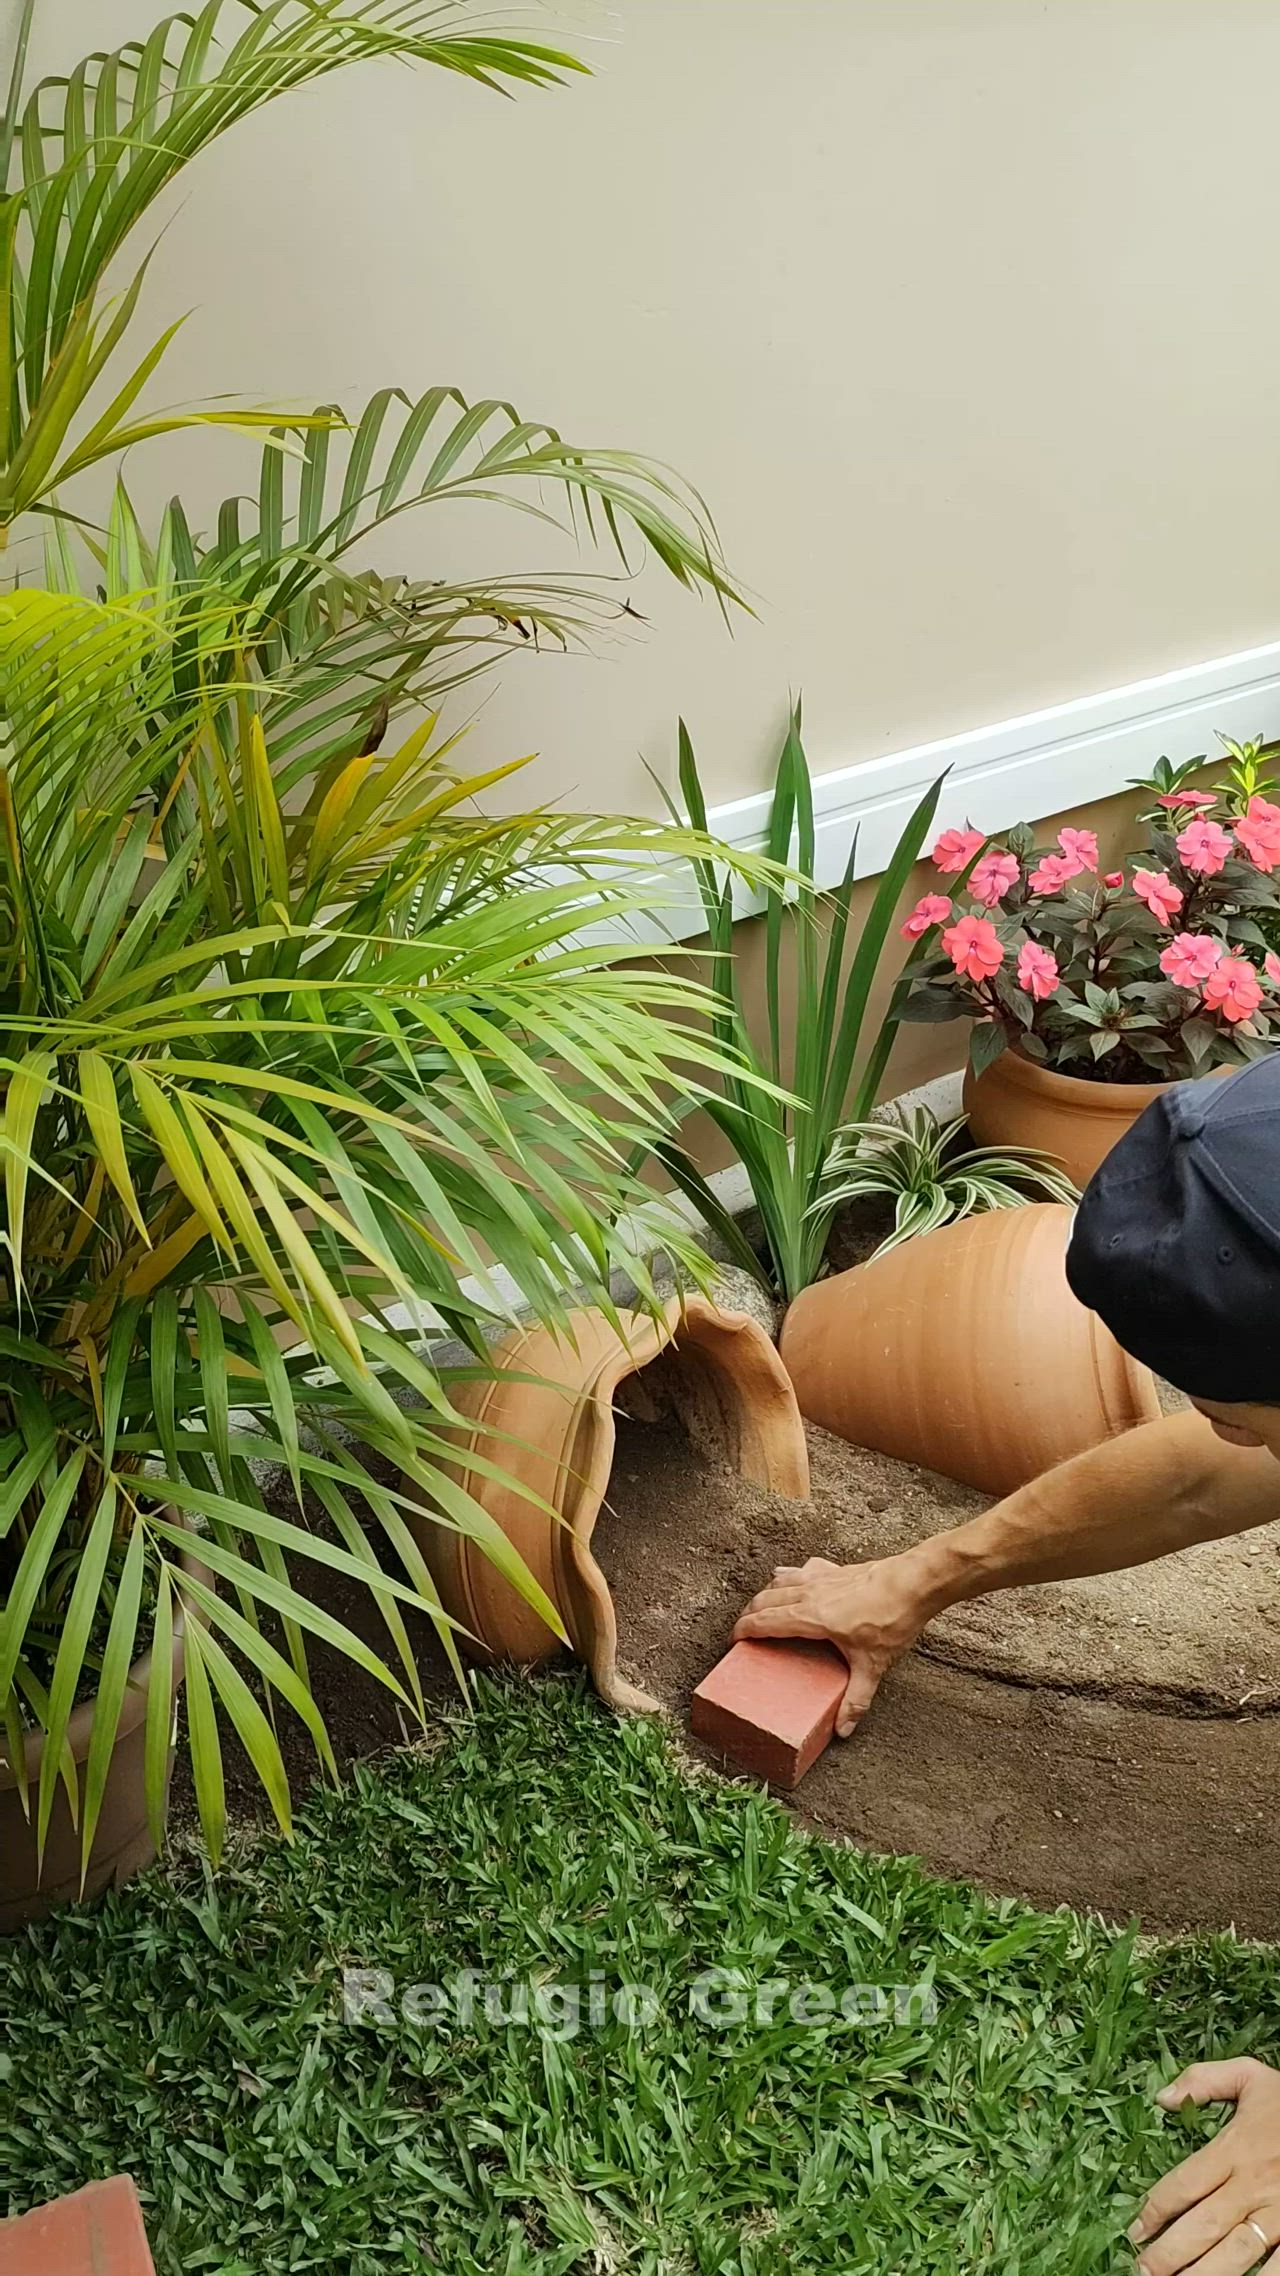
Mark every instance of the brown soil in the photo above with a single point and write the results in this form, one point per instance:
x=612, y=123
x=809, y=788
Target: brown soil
x=1107, y=1743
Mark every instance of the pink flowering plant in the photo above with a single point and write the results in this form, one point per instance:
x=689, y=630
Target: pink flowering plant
x=1161, y=969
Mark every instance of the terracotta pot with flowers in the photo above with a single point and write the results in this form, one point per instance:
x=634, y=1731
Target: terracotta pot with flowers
x=1089, y=991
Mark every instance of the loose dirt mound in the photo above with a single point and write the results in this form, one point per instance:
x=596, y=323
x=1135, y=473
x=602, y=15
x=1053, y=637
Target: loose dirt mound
x=1106, y=1742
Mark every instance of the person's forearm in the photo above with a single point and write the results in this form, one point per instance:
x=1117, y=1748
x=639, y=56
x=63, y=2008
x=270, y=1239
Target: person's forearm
x=1153, y=1490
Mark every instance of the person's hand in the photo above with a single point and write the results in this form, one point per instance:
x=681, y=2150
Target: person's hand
x=872, y=1612
x=1219, y=2211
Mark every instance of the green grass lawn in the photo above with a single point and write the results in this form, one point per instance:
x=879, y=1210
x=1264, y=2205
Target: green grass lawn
x=192, y=2034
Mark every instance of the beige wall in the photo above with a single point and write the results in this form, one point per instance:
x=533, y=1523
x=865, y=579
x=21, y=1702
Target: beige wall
x=960, y=312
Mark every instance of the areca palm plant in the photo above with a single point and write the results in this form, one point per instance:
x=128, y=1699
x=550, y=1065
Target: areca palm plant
x=259, y=1086
x=83, y=160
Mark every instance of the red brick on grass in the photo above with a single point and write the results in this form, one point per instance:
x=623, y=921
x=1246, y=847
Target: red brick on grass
x=98, y=2232
x=771, y=1707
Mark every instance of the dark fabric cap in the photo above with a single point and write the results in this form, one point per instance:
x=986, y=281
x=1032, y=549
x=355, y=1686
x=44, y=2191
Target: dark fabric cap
x=1176, y=1244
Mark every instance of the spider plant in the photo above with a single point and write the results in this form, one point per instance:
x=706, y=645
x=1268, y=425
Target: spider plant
x=914, y=1157
x=83, y=160
x=784, y=1135
x=311, y=1062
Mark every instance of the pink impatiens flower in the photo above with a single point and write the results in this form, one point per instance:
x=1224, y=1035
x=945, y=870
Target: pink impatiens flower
x=1037, y=970
x=1196, y=800
x=1233, y=988
x=933, y=910
x=1080, y=848
x=1258, y=831
x=955, y=850
x=1271, y=966
x=993, y=876
x=1203, y=847
x=1114, y=878
x=1190, y=958
x=1157, y=889
x=974, y=948
x=1051, y=874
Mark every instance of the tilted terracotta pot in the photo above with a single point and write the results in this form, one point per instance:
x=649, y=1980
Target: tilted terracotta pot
x=965, y=1350
x=122, y=1844
x=1016, y=1103
x=556, y=1436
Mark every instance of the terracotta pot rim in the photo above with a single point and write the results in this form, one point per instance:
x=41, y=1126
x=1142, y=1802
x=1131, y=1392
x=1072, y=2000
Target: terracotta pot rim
x=565, y=1447
x=133, y=1706
x=1106, y=1098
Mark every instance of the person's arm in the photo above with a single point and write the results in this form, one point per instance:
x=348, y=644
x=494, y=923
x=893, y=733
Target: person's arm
x=1142, y=1495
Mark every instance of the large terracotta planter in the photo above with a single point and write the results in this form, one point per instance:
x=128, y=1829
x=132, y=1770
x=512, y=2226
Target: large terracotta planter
x=965, y=1350
x=1016, y=1103
x=555, y=1437
x=122, y=1844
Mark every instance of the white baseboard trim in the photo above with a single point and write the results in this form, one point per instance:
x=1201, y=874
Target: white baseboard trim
x=1023, y=770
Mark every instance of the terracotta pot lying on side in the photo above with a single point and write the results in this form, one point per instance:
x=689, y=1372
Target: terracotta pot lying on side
x=556, y=1436
x=122, y=1844
x=965, y=1350
x=1016, y=1103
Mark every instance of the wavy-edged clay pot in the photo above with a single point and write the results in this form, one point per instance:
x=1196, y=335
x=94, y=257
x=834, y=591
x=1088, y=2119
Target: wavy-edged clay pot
x=965, y=1350
x=556, y=1436
x=122, y=1844
x=1013, y=1102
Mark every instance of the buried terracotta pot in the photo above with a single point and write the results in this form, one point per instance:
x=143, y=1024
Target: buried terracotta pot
x=122, y=1844
x=555, y=1436
x=1014, y=1102
x=965, y=1351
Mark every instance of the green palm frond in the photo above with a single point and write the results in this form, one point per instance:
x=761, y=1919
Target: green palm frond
x=269, y=1085
x=85, y=164
x=93, y=151
x=915, y=1159
x=317, y=628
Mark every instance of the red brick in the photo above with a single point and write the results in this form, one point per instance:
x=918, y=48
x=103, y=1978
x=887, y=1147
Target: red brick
x=98, y=2232
x=771, y=1707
